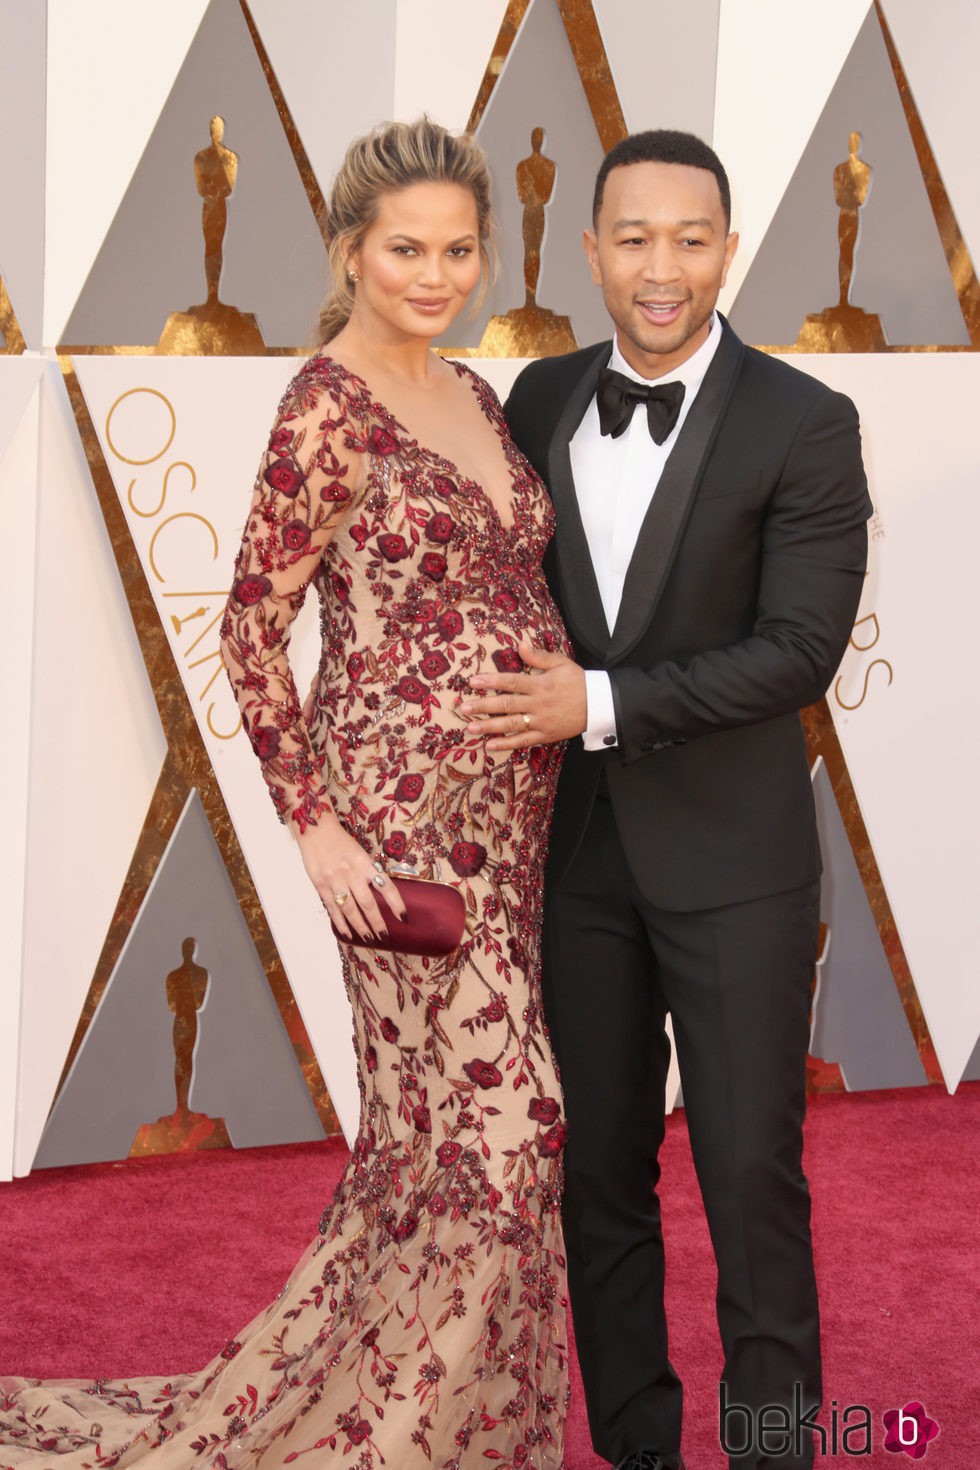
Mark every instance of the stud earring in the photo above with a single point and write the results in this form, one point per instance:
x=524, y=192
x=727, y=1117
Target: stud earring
x=352, y=276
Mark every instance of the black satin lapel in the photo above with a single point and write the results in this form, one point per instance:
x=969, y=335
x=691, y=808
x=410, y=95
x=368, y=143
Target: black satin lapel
x=581, y=603
x=668, y=511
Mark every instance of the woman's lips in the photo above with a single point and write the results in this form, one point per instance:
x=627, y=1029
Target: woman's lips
x=428, y=307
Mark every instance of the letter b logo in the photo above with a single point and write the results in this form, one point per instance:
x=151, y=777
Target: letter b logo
x=910, y=1431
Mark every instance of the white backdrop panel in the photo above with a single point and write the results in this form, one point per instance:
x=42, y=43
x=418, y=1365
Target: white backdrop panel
x=19, y=379
x=440, y=59
x=909, y=736
x=111, y=65
x=186, y=506
x=96, y=752
x=499, y=372
x=777, y=64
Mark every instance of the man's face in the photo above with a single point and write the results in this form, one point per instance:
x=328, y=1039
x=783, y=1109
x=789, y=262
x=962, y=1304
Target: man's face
x=660, y=252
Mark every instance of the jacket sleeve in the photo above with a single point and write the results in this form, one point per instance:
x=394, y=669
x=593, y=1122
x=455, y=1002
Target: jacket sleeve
x=527, y=425
x=813, y=557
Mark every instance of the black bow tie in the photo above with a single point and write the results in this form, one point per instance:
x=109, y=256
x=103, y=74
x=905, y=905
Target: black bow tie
x=616, y=397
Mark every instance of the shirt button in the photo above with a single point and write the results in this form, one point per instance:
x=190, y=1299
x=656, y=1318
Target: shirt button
x=609, y=740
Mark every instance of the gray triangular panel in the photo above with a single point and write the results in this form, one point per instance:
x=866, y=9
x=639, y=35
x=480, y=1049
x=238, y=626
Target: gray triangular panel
x=971, y=1072
x=23, y=104
x=245, y=1070
x=152, y=260
x=900, y=269
x=539, y=86
x=654, y=93
x=858, y=1020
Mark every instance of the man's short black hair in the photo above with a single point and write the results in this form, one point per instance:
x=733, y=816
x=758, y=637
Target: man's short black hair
x=663, y=145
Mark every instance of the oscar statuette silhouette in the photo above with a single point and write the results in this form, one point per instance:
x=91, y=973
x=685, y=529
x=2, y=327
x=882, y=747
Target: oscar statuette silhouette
x=187, y=989
x=213, y=326
x=531, y=330
x=843, y=327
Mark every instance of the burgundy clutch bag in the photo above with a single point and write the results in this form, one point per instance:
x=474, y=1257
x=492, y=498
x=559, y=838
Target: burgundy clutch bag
x=435, y=924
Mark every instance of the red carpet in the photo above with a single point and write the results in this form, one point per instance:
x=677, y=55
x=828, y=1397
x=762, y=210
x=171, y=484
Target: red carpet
x=150, y=1266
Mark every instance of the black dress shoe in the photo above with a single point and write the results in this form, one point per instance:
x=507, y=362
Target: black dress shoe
x=650, y=1460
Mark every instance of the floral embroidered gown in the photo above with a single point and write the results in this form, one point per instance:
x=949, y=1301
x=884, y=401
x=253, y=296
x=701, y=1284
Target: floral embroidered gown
x=425, y=1325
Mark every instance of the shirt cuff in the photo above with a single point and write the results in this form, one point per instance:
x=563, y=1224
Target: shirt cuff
x=600, y=714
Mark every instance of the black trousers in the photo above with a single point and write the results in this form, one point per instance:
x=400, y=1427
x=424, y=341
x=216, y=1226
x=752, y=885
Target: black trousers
x=737, y=983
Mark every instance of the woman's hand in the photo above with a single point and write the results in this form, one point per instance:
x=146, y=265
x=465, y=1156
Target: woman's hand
x=347, y=881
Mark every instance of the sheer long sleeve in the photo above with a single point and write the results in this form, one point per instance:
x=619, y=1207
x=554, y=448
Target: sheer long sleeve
x=308, y=479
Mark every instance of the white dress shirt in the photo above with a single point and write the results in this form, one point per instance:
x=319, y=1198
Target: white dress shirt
x=615, y=480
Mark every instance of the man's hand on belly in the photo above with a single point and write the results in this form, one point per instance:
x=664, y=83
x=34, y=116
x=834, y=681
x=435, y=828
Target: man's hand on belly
x=546, y=704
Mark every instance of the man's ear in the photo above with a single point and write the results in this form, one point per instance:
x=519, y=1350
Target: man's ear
x=731, y=245
x=591, y=246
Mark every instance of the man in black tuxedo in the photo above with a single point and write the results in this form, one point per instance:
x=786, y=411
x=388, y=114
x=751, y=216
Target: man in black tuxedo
x=708, y=561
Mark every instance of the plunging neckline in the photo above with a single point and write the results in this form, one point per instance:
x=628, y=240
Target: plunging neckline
x=444, y=463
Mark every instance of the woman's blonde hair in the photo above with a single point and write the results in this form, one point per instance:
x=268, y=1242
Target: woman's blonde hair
x=394, y=156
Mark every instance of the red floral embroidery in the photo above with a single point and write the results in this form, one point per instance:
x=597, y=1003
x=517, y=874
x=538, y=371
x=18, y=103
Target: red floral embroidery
x=265, y=742
x=284, y=477
x=381, y=441
x=449, y=624
x=434, y=664
x=295, y=535
x=553, y=1141
x=439, y=528
x=467, y=858
x=508, y=661
x=483, y=1074
x=412, y=689
x=251, y=589
x=410, y=787
x=392, y=547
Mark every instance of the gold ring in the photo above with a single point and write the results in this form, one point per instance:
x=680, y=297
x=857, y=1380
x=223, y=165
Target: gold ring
x=527, y=721
x=341, y=898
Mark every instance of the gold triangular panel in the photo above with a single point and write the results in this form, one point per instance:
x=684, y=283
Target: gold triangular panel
x=11, y=337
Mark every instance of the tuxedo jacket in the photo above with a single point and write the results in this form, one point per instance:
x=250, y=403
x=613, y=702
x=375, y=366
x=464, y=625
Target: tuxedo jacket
x=737, y=607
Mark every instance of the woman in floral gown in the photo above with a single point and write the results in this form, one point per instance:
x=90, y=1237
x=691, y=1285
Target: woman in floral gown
x=425, y=1325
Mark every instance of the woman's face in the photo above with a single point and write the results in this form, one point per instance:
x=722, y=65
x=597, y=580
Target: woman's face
x=418, y=262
